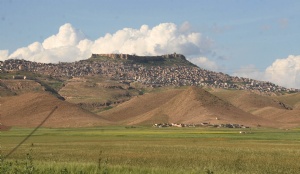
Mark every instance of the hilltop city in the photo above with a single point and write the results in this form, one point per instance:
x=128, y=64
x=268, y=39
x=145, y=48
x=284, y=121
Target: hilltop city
x=151, y=71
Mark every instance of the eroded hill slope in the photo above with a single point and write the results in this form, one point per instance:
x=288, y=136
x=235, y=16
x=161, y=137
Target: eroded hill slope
x=283, y=109
x=30, y=109
x=191, y=105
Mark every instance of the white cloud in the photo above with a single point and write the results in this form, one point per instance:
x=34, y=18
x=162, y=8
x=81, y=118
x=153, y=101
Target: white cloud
x=3, y=55
x=66, y=36
x=29, y=52
x=285, y=72
x=70, y=44
x=164, y=38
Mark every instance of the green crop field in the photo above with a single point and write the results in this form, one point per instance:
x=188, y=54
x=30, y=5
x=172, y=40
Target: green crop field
x=151, y=150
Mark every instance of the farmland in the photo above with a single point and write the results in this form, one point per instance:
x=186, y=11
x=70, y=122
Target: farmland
x=152, y=150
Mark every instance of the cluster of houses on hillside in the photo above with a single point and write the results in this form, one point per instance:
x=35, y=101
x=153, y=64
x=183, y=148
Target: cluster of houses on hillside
x=154, y=76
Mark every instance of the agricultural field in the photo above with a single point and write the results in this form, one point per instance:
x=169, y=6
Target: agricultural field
x=151, y=150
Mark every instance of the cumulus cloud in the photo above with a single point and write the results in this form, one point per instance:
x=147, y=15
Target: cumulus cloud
x=67, y=45
x=164, y=38
x=70, y=44
x=66, y=36
x=285, y=72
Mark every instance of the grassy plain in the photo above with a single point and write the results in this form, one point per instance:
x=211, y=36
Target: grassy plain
x=152, y=150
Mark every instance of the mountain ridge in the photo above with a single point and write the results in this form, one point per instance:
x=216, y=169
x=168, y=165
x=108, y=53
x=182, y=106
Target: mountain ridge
x=109, y=89
x=190, y=106
x=150, y=73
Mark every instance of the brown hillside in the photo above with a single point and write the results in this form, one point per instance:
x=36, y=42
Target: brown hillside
x=193, y=105
x=247, y=100
x=283, y=109
x=94, y=94
x=30, y=109
x=4, y=90
x=8, y=87
x=138, y=106
x=287, y=118
x=290, y=99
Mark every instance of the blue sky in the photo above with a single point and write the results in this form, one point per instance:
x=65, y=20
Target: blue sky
x=257, y=38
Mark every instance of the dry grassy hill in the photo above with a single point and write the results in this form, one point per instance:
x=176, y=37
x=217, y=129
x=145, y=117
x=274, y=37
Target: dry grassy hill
x=25, y=103
x=30, y=109
x=192, y=105
x=290, y=99
x=247, y=100
x=95, y=94
x=13, y=87
x=283, y=109
x=139, y=105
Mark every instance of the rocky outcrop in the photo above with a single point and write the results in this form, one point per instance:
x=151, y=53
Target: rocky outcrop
x=140, y=58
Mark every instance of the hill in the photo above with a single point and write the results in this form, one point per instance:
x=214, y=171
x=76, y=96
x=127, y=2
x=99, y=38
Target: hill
x=283, y=109
x=248, y=100
x=131, y=90
x=14, y=87
x=150, y=71
x=189, y=105
x=30, y=109
x=192, y=105
x=292, y=100
x=96, y=94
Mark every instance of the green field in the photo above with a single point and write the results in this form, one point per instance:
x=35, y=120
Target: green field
x=151, y=150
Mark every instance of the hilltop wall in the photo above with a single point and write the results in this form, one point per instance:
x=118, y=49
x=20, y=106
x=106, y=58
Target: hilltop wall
x=140, y=58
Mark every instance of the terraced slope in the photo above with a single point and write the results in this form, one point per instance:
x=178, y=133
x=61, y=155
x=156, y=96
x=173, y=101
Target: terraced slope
x=13, y=87
x=95, y=94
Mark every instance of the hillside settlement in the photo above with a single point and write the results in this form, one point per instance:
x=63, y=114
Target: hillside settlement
x=150, y=76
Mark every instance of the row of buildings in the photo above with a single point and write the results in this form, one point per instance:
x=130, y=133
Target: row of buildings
x=155, y=76
x=204, y=124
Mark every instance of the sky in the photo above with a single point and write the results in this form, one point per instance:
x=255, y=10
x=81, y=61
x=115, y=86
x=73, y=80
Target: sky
x=258, y=39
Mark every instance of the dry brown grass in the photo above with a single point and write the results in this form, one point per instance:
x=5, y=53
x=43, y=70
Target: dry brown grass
x=267, y=107
x=10, y=87
x=290, y=99
x=30, y=109
x=192, y=105
x=91, y=90
x=184, y=105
